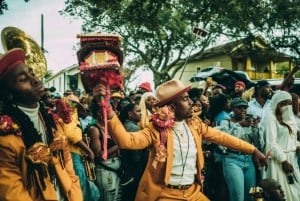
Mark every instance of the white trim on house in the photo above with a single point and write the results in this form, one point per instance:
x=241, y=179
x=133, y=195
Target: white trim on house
x=62, y=80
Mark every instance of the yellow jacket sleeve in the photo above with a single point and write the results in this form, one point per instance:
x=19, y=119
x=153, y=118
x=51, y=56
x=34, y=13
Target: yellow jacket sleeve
x=12, y=183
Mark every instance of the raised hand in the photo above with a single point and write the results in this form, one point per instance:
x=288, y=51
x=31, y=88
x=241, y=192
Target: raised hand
x=287, y=167
x=260, y=159
x=102, y=94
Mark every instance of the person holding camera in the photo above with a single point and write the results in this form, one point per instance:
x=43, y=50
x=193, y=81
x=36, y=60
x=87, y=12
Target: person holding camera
x=238, y=168
x=281, y=140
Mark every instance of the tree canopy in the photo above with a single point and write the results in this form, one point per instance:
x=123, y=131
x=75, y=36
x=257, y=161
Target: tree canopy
x=157, y=34
x=4, y=7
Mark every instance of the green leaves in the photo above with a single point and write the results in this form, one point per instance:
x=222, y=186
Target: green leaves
x=159, y=32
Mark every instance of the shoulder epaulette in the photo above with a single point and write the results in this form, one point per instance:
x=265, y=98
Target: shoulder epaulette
x=8, y=126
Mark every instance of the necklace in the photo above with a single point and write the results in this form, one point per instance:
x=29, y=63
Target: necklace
x=182, y=133
x=183, y=161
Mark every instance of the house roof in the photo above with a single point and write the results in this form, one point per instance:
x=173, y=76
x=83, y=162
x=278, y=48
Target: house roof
x=67, y=69
x=256, y=48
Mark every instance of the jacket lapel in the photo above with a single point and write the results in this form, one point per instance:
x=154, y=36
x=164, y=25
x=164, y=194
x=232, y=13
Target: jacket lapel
x=169, y=156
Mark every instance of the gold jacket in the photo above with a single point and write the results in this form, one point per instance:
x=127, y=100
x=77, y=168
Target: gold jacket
x=14, y=173
x=155, y=179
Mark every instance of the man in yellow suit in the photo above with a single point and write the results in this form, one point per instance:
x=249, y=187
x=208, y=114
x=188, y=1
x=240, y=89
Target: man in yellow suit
x=174, y=139
x=35, y=161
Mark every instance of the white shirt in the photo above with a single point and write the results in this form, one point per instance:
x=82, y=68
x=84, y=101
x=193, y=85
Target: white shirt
x=184, y=156
x=33, y=114
x=256, y=109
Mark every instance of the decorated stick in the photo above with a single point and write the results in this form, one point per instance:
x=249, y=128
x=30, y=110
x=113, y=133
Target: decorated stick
x=100, y=60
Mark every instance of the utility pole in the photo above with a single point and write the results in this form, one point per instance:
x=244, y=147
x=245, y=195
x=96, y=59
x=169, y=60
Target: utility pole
x=198, y=32
x=42, y=33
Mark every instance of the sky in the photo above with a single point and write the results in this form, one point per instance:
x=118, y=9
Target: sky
x=59, y=31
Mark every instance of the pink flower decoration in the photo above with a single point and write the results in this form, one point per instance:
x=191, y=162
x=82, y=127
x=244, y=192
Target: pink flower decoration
x=163, y=117
x=8, y=126
x=63, y=110
x=5, y=123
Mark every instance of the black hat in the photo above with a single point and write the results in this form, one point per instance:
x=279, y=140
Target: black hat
x=238, y=102
x=261, y=83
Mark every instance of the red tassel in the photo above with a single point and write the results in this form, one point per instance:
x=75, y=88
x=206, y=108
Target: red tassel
x=103, y=105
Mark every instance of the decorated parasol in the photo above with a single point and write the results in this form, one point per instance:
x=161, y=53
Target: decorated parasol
x=100, y=59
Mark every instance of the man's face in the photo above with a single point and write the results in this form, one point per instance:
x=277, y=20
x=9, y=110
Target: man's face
x=183, y=107
x=48, y=99
x=205, y=102
x=115, y=100
x=272, y=190
x=217, y=91
x=240, y=112
x=277, y=194
x=267, y=92
x=238, y=89
x=24, y=86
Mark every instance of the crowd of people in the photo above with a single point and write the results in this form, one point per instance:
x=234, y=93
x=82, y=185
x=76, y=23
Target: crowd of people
x=153, y=144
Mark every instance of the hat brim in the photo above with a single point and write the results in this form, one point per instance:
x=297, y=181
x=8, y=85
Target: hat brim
x=163, y=102
x=10, y=60
x=145, y=88
x=117, y=94
x=78, y=105
x=238, y=105
x=241, y=85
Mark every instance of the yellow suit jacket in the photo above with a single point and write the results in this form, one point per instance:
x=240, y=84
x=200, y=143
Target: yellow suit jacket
x=154, y=180
x=14, y=173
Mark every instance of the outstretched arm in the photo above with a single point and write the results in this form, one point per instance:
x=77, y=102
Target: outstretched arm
x=287, y=79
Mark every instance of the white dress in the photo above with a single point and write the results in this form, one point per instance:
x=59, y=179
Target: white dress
x=283, y=147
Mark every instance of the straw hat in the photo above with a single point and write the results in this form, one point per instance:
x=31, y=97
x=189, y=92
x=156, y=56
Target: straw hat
x=170, y=90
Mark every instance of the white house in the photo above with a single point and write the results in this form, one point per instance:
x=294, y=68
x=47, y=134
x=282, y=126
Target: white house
x=66, y=79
